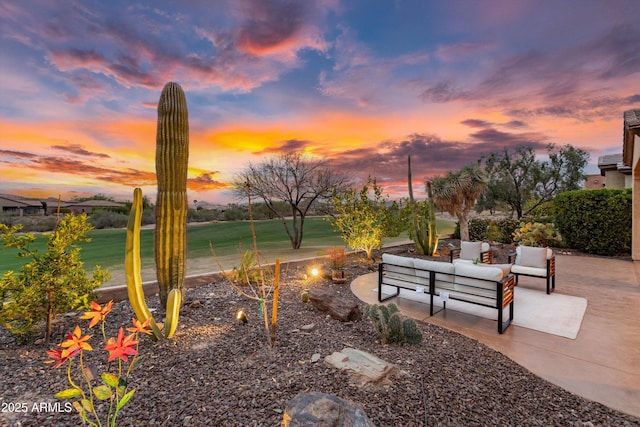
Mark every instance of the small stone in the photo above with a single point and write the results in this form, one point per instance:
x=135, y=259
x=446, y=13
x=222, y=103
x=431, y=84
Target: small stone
x=308, y=327
x=187, y=420
x=315, y=357
x=196, y=304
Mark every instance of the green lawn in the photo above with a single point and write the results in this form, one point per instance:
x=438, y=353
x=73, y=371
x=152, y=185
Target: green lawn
x=107, y=246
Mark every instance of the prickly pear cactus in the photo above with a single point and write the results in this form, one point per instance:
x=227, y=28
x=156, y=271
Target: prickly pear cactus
x=172, y=158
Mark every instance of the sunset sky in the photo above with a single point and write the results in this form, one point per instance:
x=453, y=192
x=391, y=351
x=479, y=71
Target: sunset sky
x=361, y=83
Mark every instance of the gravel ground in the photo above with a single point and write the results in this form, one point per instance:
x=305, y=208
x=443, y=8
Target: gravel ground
x=218, y=372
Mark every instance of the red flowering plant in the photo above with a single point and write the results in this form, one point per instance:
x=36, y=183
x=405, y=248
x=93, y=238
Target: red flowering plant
x=114, y=387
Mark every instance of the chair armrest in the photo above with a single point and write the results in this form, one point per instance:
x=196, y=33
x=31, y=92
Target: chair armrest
x=512, y=257
x=454, y=253
x=486, y=257
x=551, y=266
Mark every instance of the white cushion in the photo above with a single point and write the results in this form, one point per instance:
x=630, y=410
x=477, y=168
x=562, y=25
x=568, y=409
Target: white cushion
x=529, y=256
x=478, y=272
x=398, y=270
x=437, y=266
x=397, y=260
x=470, y=250
x=529, y=271
x=444, y=271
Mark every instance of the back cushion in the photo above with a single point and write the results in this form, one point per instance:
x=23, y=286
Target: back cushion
x=470, y=250
x=399, y=267
x=485, y=273
x=397, y=260
x=528, y=256
x=437, y=266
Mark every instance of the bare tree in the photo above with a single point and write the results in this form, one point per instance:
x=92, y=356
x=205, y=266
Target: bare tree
x=293, y=179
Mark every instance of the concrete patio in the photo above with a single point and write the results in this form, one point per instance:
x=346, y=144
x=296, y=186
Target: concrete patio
x=601, y=364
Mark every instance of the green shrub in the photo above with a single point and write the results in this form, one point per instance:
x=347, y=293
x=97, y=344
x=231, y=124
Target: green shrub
x=49, y=283
x=490, y=229
x=595, y=221
x=507, y=226
x=537, y=234
x=543, y=213
x=478, y=228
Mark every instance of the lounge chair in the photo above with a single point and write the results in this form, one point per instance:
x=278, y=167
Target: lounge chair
x=471, y=252
x=535, y=262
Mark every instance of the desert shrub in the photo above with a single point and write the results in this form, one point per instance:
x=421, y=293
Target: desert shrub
x=506, y=227
x=478, y=228
x=537, y=234
x=108, y=219
x=201, y=215
x=595, y=221
x=30, y=223
x=248, y=273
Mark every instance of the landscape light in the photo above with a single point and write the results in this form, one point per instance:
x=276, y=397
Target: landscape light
x=241, y=316
x=315, y=272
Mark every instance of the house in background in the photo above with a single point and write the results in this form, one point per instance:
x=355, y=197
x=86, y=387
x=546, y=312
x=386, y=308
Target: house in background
x=593, y=182
x=631, y=159
x=615, y=172
x=18, y=206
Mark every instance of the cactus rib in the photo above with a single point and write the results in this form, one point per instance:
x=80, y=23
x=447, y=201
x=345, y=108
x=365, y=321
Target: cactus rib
x=172, y=157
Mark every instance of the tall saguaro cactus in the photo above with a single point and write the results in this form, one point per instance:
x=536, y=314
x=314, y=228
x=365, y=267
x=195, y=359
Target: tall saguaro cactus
x=172, y=158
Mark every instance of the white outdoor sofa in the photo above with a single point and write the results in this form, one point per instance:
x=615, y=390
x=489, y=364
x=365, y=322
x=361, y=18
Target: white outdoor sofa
x=485, y=285
x=535, y=262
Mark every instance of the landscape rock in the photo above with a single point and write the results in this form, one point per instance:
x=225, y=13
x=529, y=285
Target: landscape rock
x=320, y=409
x=340, y=308
x=364, y=368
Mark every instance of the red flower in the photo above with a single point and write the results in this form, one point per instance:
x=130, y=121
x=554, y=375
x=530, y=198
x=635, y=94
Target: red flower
x=121, y=347
x=59, y=357
x=97, y=313
x=140, y=327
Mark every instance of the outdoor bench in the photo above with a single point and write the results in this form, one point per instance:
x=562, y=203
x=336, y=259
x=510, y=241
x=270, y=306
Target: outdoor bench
x=483, y=285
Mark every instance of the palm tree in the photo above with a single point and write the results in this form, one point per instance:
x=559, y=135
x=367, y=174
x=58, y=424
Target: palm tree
x=457, y=192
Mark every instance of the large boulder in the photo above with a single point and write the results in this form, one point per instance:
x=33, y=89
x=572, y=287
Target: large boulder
x=323, y=410
x=327, y=300
x=364, y=368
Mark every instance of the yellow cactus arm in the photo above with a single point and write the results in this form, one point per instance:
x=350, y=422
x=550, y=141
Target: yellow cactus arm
x=132, y=264
x=174, y=300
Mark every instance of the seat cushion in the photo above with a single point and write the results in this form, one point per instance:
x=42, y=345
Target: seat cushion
x=470, y=250
x=529, y=271
x=529, y=256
